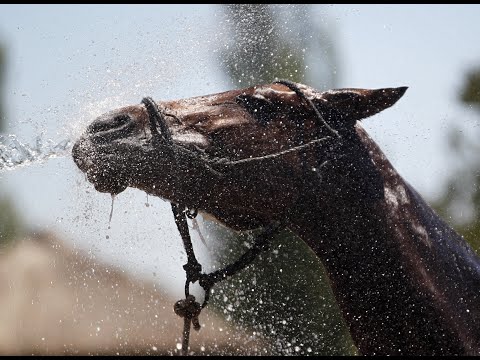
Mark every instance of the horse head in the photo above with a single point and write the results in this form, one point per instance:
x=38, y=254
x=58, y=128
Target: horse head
x=240, y=156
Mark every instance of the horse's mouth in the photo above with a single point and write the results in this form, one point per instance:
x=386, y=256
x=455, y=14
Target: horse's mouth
x=100, y=170
x=106, y=184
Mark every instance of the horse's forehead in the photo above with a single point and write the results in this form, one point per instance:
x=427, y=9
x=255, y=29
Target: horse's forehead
x=206, y=100
x=229, y=96
x=217, y=110
x=210, y=112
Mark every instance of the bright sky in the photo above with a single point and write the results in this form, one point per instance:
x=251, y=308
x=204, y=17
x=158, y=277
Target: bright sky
x=68, y=64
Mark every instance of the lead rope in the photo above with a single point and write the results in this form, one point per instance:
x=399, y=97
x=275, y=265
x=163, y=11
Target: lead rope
x=189, y=308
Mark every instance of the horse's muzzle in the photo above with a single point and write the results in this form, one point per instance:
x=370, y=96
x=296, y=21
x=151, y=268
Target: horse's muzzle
x=100, y=171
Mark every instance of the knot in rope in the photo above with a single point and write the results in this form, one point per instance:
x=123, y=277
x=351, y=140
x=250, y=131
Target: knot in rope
x=193, y=271
x=190, y=309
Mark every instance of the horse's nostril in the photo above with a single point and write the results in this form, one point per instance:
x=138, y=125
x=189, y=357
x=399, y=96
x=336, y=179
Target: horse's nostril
x=108, y=123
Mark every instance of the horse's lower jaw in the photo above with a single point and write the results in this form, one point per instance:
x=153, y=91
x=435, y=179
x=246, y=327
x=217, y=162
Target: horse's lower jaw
x=107, y=184
x=112, y=188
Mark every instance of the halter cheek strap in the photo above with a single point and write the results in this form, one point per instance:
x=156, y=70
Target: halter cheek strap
x=156, y=118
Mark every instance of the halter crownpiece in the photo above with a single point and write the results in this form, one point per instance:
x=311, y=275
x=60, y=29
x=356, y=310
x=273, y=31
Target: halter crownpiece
x=294, y=87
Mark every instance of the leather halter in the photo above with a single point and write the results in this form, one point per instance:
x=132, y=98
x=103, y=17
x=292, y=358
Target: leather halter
x=189, y=308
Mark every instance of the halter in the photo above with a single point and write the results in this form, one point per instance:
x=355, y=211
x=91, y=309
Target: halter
x=188, y=308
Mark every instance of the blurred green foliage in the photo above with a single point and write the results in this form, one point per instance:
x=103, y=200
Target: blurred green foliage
x=285, y=294
x=10, y=223
x=258, y=54
x=460, y=201
x=269, y=42
x=2, y=81
x=471, y=90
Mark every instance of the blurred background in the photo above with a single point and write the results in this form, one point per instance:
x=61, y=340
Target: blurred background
x=63, y=65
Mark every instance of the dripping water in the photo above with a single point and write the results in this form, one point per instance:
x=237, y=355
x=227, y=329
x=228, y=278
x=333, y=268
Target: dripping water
x=110, y=216
x=196, y=227
x=111, y=212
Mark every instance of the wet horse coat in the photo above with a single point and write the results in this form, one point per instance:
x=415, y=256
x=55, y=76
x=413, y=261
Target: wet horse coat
x=406, y=283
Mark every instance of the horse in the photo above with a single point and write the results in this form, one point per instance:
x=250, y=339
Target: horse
x=405, y=281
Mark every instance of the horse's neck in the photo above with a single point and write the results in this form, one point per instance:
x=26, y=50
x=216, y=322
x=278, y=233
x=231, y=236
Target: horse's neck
x=405, y=281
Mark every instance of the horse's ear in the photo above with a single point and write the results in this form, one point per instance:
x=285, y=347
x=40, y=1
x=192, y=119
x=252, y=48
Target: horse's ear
x=351, y=105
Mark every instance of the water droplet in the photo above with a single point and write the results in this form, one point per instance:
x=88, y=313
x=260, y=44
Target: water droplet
x=111, y=211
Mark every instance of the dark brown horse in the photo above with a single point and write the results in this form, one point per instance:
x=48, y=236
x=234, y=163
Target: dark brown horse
x=405, y=281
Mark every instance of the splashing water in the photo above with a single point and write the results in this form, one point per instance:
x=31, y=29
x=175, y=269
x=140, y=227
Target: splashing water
x=14, y=153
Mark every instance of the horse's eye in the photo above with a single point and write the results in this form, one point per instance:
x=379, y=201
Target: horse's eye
x=262, y=109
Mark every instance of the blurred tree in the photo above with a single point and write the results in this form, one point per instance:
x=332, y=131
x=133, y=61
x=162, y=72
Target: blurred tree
x=10, y=224
x=2, y=79
x=285, y=294
x=267, y=42
x=460, y=200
